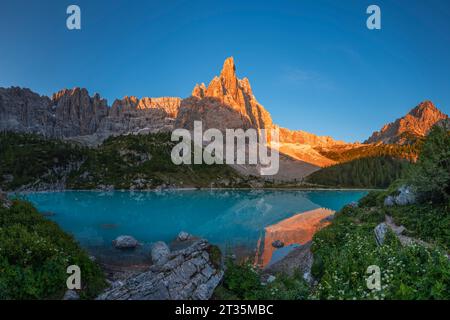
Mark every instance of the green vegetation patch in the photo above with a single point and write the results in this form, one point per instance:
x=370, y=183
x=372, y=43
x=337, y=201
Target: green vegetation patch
x=35, y=254
x=242, y=281
x=25, y=158
x=344, y=251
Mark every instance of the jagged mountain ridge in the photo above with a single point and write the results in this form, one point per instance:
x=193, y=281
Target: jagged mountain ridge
x=227, y=102
x=417, y=123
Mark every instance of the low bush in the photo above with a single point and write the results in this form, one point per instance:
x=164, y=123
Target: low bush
x=243, y=281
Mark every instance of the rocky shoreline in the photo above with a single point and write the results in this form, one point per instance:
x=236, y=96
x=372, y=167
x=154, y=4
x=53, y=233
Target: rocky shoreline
x=192, y=271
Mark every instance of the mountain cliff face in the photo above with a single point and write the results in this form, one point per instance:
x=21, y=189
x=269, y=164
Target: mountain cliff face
x=227, y=103
x=416, y=123
x=74, y=113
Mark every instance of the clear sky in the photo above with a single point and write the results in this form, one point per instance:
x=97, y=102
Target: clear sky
x=312, y=63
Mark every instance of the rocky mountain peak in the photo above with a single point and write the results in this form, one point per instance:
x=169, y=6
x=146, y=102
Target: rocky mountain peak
x=416, y=123
x=226, y=103
x=424, y=110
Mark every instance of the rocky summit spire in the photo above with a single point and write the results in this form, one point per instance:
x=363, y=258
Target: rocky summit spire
x=229, y=79
x=229, y=69
x=227, y=102
x=416, y=123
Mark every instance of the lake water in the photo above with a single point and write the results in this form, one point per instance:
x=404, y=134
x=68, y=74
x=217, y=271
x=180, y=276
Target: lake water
x=230, y=219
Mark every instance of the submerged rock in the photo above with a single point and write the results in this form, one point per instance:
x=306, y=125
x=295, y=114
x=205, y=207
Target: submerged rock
x=278, y=244
x=160, y=252
x=187, y=274
x=125, y=242
x=183, y=236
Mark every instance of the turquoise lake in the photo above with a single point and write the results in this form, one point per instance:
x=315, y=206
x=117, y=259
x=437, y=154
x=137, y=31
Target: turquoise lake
x=229, y=219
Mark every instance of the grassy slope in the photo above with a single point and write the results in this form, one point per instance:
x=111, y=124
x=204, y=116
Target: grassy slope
x=344, y=250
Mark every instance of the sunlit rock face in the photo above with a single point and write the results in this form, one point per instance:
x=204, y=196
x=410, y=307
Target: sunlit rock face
x=417, y=122
x=74, y=113
x=227, y=103
x=298, y=229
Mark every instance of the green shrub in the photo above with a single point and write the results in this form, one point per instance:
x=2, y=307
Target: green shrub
x=34, y=256
x=243, y=281
x=215, y=255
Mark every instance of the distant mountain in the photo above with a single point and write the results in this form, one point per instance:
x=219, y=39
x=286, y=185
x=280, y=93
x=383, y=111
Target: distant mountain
x=416, y=123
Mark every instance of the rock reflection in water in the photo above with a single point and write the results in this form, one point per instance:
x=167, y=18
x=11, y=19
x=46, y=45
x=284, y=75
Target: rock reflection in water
x=296, y=230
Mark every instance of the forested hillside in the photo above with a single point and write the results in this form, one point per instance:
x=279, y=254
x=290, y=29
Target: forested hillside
x=31, y=162
x=371, y=172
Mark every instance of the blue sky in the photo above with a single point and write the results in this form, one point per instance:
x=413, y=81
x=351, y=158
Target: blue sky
x=313, y=64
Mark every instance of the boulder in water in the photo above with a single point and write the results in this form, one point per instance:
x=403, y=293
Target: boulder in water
x=184, y=236
x=125, y=242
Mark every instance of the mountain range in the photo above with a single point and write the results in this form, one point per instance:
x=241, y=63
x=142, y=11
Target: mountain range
x=227, y=102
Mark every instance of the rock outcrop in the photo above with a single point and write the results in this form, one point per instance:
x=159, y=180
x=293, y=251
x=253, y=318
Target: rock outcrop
x=227, y=103
x=417, y=123
x=160, y=252
x=381, y=231
x=188, y=274
x=404, y=197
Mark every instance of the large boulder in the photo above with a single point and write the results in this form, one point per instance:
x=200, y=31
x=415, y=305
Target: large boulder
x=125, y=242
x=160, y=252
x=389, y=201
x=405, y=197
x=187, y=274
